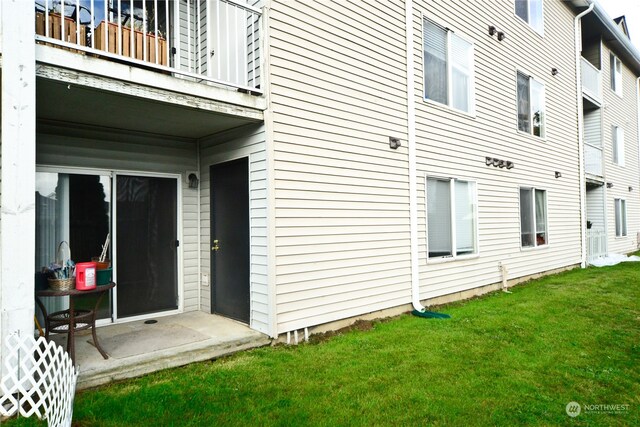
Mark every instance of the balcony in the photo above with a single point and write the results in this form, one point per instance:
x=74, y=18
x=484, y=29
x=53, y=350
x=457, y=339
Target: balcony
x=210, y=41
x=593, y=160
x=591, y=81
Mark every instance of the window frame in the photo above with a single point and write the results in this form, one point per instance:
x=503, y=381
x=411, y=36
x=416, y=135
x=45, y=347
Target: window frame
x=617, y=145
x=533, y=217
x=454, y=256
x=616, y=78
x=543, y=126
x=620, y=214
x=539, y=31
x=449, y=68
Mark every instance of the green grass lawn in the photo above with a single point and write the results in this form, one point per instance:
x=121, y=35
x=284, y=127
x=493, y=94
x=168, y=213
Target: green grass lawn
x=504, y=359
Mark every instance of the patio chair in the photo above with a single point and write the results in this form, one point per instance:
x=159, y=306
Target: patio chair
x=39, y=379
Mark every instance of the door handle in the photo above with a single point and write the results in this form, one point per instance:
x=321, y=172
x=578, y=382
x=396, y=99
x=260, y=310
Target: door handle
x=216, y=246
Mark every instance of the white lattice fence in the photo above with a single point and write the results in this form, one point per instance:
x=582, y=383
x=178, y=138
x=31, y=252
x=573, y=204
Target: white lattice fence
x=39, y=380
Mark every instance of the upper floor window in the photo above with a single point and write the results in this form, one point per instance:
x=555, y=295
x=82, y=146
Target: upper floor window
x=530, y=11
x=616, y=74
x=533, y=217
x=451, y=217
x=617, y=136
x=621, y=217
x=530, y=105
x=448, y=67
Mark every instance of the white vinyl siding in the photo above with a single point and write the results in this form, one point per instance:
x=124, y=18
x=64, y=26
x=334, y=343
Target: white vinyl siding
x=531, y=109
x=531, y=12
x=450, y=144
x=248, y=141
x=533, y=217
x=616, y=74
x=451, y=218
x=620, y=112
x=620, y=209
x=617, y=137
x=448, y=71
x=338, y=90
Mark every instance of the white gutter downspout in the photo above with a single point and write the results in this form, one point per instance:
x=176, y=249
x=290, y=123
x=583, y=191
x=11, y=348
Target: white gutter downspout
x=411, y=145
x=583, y=181
x=638, y=124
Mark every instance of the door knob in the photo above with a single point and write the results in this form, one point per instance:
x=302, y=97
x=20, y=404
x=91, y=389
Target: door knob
x=216, y=246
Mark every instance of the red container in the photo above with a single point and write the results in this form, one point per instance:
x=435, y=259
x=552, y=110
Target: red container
x=85, y=276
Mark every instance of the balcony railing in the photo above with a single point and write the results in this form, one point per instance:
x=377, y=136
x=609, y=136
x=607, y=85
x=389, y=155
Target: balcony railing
x=593, y=160
x=596, y=244
x=591, y=80
x=217, y=41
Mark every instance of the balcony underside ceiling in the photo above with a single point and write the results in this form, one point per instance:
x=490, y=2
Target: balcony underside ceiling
x=192, y=118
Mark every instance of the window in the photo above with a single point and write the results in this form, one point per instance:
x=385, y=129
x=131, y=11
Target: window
x=531, y=115
x=621, y=217
x=451, y=217
x=448, y=67
x=533, y=217
x=616, y=75
x=617, y=136
x=531, y=12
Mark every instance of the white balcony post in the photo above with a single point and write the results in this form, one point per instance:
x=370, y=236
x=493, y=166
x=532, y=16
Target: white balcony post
x=18, y=149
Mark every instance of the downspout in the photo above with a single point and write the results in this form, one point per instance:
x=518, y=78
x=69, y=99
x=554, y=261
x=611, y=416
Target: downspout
x=583, y=192
x=638, y=128
x=411, y=145
x=200, y=231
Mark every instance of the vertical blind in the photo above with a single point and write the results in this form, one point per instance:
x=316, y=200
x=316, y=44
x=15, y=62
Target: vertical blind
x=451, y=206
x=439, y=217
x=621, y=217
x=465, y=217
x=435, y=57
x=617, y=135
x=461, y=73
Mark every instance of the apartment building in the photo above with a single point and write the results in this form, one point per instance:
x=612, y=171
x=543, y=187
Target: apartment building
x=297, y=164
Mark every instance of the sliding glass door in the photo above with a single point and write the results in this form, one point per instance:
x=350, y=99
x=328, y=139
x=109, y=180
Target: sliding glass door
x=76, y=209
x=147, y=245
x=72, y=211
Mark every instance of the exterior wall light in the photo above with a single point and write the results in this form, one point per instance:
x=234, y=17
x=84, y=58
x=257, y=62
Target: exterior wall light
x=501, y=36
x=193, y=180
x=394, y=143
x=558, y=174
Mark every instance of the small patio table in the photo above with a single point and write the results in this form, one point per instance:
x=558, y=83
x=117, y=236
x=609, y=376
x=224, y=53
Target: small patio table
x=71, y=320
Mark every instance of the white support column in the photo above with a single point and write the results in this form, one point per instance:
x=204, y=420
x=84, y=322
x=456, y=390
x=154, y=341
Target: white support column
x=18, y=148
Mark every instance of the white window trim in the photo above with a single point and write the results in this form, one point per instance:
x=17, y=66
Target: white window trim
x=543, y=137
x=623, y=213
x=453, y=256
x=617, y=82
x=472, y=83
x=618, y=157
x=533, y=205
x=535, y=30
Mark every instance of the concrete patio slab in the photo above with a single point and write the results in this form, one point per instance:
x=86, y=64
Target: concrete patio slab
x=137, y=348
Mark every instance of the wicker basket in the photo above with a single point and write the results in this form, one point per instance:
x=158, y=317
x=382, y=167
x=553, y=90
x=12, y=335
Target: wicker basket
x=62, y=284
